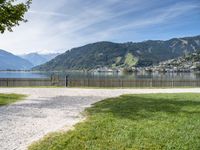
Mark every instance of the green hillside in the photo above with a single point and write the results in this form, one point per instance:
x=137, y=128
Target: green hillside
x=130, y=60
x=108, y=54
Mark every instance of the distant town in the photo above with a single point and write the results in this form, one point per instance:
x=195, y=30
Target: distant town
x=187, y=63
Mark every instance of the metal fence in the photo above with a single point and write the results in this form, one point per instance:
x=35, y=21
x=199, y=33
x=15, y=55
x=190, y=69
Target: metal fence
x=121, y=83
x=27, y=82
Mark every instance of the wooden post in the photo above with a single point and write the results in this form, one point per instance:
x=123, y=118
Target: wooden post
x=66, y=81
x=51, y=80
x=7, y=82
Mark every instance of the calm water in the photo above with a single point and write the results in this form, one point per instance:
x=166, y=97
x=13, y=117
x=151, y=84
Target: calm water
x=101, y=75
x=22, y=75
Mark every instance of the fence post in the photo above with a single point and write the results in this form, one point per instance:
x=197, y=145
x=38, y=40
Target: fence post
x=7, y=82
x=51, y=80
x=151, y=83
x=66, y=81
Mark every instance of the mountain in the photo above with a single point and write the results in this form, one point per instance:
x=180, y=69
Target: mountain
x=120, y=55
x=8, y=61
x=38, y=59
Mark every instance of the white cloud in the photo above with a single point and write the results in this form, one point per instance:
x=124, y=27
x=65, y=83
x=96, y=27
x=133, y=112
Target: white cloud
x=65, y=24
x=158, y=16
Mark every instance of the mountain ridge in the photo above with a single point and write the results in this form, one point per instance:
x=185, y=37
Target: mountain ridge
x=110, y=54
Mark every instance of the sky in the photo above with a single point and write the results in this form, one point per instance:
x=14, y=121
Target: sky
x=57, y=26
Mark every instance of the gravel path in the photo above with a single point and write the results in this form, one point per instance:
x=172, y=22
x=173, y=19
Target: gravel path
x=50, y=109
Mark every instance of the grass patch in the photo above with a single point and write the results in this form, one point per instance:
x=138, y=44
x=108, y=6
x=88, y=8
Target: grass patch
x=6, y=99
x=149, y=121
x=130, y=60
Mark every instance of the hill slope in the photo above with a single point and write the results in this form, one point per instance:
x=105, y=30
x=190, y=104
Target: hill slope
x=9, y=61
x=107, y=54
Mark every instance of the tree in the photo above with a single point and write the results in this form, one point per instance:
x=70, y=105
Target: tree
x=11, y=13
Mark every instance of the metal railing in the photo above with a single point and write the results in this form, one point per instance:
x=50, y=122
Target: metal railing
x=121, y=83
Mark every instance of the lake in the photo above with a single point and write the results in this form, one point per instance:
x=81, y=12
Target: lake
x=175, y=76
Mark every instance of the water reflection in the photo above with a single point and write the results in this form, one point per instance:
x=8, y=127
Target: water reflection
x=22, y=74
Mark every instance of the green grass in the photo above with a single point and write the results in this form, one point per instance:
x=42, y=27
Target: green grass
x=6, y=99
x=130, y=60
x=118, y=59
x=134, y=122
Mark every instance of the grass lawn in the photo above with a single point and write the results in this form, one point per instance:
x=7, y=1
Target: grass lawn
x=6, y=99
x=134, y=122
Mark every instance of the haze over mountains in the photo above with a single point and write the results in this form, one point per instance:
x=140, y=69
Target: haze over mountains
x=38, y=59
x=9, y=61
x=117, y=55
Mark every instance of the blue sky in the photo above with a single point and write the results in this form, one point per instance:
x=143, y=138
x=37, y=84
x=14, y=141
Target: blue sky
x=56, y=26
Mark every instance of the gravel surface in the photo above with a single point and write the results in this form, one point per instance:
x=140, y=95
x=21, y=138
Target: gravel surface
x=51, y=109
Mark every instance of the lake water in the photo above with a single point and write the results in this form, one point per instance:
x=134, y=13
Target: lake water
x=77, y=75
x=9, y=74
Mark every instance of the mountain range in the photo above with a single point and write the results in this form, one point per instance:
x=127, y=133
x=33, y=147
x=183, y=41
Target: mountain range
x=122, y=55
x=104, y=54
x=9, y=61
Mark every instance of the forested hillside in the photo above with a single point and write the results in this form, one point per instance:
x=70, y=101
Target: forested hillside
x=116, y=55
